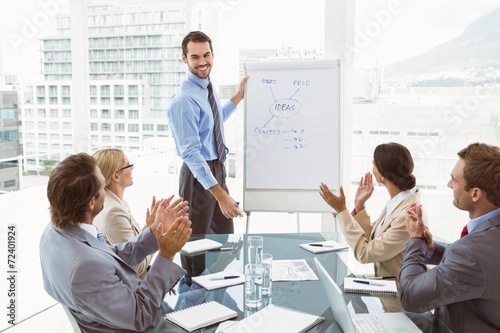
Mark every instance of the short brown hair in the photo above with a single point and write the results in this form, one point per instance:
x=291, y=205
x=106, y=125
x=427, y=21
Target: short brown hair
x=72, y=184
x=482, y=169
x=395, y=163
x=195, y=37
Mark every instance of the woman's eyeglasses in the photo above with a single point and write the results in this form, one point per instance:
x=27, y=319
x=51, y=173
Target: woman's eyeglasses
x=129, y=165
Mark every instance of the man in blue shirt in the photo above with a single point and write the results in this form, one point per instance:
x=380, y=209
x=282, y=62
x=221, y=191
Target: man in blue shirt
x=463, y=287
x=202, y=179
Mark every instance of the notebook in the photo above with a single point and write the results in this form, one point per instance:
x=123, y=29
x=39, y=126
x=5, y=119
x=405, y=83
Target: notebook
x=325, y=246
x=212, y=281
x=394, y=322
x=201, y=315
x=274, y=318
x=366, y=286
x=200, y=245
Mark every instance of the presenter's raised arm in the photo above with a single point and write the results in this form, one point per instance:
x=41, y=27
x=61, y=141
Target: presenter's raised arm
x=240, y=94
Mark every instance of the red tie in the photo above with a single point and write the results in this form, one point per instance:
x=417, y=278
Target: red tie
x=465, y=231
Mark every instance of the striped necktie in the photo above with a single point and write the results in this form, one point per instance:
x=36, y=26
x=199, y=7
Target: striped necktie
x=100, y=236
x=221, y=149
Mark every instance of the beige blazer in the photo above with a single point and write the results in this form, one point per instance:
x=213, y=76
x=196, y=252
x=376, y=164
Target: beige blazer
x=387, y=249
x=118, y=225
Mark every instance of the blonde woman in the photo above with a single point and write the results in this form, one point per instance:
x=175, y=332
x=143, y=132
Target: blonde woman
x=115, y=221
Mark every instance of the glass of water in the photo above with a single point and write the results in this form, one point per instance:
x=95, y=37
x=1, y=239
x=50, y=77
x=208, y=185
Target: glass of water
x=253, y=286
x=267, y=273
x=255, y=248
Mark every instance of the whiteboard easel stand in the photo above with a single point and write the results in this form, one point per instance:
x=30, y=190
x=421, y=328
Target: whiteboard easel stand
x=298, y=221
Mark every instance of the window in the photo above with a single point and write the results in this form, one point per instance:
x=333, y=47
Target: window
x=66, y=113
x=162, y=128
x=133, y=91
x=119, y=114
x=9, y=183
x=133, y=114
x=54, y=113
x=119, y=90
x=105, y=114
x=105, y=90
x=65, y=91
x=133, y=127
x=119, y=127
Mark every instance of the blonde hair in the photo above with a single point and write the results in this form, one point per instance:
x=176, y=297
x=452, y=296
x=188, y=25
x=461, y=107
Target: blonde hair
x=110, y=160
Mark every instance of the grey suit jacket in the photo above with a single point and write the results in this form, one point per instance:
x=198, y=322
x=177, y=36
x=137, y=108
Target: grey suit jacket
x=97, y=283
x=464, y=287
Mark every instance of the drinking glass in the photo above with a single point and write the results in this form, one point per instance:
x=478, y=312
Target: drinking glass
x=254, y=249
x=253, y=286
x=267, y=273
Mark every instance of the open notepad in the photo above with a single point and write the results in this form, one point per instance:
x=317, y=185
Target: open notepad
x=274, y=318
x=365, y=286
x=323, y=246
x=216, y=280
x=201, y=315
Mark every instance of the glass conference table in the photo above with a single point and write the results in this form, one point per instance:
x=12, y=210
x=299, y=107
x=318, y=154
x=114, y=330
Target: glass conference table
x=306, y=296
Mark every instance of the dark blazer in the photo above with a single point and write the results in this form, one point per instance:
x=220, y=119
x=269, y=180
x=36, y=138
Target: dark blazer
x=97, y=283
x=464, y=287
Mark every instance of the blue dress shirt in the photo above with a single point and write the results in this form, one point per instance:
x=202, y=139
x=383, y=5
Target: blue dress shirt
x=475, y=222
x=192, y=124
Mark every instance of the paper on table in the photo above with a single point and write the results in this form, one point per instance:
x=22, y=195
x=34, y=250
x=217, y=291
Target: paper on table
x=206, y=280
x=200, y=245
x=331, y=246
x=292, y=270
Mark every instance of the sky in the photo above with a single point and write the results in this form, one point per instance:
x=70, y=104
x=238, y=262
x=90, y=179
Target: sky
x=410, y=28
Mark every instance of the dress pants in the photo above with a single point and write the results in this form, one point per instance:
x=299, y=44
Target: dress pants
x=204, y=211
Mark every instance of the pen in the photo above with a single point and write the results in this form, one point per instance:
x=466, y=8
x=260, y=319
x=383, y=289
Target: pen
x=322, y=245
x=225, y=277
x=372, y=283
x=238, y=204
x=223, y=249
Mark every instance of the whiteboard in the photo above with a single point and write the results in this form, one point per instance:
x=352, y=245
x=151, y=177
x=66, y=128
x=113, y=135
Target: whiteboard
x=292, y=134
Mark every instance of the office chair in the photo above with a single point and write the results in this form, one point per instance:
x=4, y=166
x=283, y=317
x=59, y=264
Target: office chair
x=72, y=320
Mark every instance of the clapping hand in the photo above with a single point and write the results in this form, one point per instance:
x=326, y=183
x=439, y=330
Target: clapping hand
x=151, y=212
x=416, y=227
x=337, y=202
x=167, y=211
x=364, y=192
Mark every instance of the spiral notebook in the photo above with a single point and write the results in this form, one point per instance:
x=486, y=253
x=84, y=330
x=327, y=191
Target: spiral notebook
x=201, y=315
x=365, y=286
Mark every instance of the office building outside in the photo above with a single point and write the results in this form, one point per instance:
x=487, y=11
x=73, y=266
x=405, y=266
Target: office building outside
x=134, y=69
x=10, y=140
